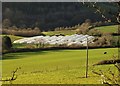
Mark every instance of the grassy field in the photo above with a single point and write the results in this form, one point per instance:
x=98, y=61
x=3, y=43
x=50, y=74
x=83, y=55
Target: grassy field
x=13, y=38
x=56, y=66
x=64, y=32
x=108, y=29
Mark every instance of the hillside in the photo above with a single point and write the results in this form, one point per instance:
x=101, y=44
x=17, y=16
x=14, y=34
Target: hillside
x=108, y=29
x=48, y=16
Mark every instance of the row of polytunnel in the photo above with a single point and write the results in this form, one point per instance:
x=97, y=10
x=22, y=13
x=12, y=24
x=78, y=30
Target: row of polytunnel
x=69, y=40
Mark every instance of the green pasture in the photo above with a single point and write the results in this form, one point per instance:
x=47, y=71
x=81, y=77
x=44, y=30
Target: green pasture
x=13, y=38
x=64, y=32
x=108, y=29
x=56, y=66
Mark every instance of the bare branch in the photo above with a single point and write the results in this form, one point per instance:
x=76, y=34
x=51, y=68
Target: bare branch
x=104, y=62
x=117, y=67
x=13, y=77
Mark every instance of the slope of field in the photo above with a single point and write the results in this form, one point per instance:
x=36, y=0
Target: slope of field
x=108, y=29
x=104, y=29
x=64, y=32
x=56, y=67
x=13, y=38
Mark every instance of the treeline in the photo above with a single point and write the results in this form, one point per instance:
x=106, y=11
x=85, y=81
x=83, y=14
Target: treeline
x=25, y=32
x=48, y=16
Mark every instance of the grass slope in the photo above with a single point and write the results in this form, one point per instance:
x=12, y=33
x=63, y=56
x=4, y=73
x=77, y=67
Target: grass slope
x=108, y=29
x=56, y=67
x=64, y=32
x=104, y=29
x=13, y=38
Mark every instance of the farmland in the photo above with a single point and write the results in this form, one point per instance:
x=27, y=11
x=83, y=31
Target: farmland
x=56, y=66
x=103, y=29
x=65, y=32
x=53, y=41
x=13, y=38
x=108, y=29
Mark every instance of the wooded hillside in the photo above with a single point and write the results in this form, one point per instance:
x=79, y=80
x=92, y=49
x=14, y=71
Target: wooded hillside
x=49, y=15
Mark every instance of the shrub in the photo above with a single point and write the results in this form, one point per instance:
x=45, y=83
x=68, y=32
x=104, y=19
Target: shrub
x=62, y=45
x=75, y=46
x=105, y=40
x=30, y=46
x=6, y=43
x=6, y=23
x=94, y=32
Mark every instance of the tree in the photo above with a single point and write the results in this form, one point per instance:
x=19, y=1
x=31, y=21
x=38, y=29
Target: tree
x=14, y=27
x=8, y=13
x=6, y=43
x=94, y=32
x=84, y=28
x=6, y=23
x=88, y=21
x=37, y=29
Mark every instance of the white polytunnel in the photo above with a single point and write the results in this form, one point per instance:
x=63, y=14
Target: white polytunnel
x=69, y=40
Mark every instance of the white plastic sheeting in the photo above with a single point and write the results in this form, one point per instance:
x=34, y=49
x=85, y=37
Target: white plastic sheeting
x=59, y=40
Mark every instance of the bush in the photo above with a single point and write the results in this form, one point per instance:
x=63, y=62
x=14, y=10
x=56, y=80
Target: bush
x=94, y=32
x=75, y=46
x=6, y=43
x=30, y=46
x=104, y=40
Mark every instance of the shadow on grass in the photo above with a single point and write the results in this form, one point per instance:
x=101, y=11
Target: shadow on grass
x=87, y=77
x=19, y=55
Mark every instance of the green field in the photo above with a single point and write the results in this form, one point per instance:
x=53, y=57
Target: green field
x=108, y=29
x=13, y=38
x=104, y=29
x=56, y=66
x=64, y=32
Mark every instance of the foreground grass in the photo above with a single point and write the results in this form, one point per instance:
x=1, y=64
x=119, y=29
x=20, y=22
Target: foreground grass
x=56, y=67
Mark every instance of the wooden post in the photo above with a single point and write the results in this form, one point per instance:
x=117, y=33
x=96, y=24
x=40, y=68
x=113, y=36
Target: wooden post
x=86, y=75
x=119, y=50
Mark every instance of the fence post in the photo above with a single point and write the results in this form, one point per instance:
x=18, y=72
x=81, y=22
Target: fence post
x=86, y=75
